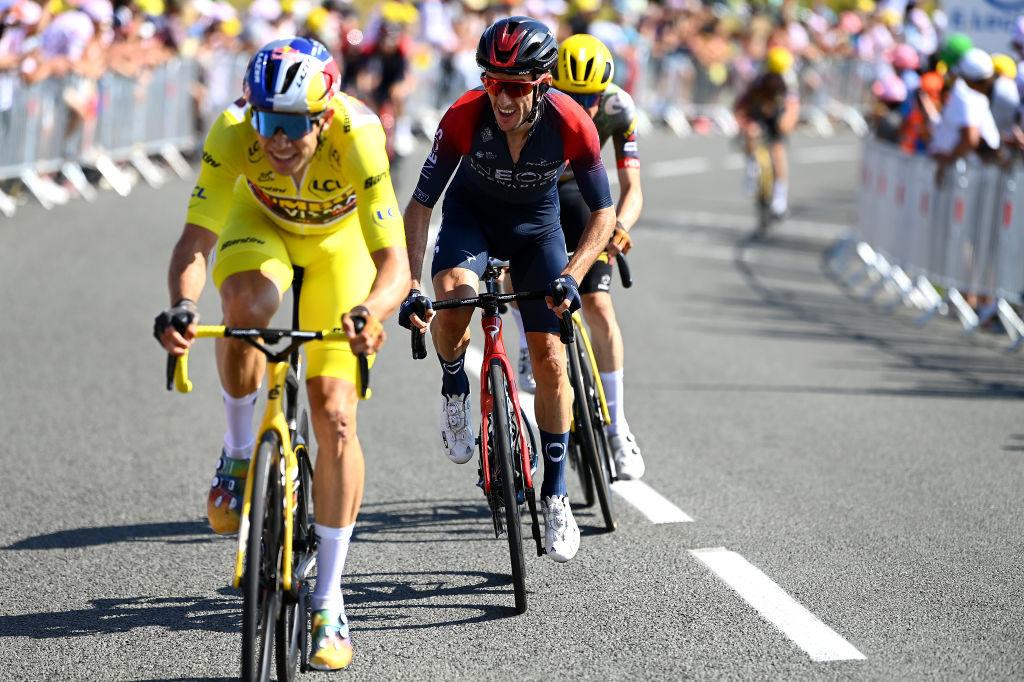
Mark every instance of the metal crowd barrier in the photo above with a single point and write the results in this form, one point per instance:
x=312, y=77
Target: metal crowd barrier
x=128, y=121
x=914, y=239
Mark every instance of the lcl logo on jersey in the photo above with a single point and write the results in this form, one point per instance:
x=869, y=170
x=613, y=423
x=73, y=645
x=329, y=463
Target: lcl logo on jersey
x=325, y=186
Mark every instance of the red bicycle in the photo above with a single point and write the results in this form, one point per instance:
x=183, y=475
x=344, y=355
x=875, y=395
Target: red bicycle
x=506, y=443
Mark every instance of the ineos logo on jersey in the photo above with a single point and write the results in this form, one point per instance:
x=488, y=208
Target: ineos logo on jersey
x=431, y=162
x=511, y=178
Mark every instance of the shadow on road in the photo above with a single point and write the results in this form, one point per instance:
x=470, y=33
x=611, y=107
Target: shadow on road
x=221, y=613
x=961, y=370
x=174, y=532
x=426, y=599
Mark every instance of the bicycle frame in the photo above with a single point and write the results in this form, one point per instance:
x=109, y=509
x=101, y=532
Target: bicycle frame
x=581, y=333
x=274, y=420
x=494, y=351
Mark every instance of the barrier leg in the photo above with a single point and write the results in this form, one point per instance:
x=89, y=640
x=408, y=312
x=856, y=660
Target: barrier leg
x=176, y=161
x=153, y=176
x=1012, y=323
x=73, y=172
x=43, y=190
x=934, y=303
x=968, y=318
x=7, y=204
x=120, y=182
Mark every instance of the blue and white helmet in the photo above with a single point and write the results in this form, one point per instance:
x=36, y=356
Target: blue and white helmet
x=293, y=76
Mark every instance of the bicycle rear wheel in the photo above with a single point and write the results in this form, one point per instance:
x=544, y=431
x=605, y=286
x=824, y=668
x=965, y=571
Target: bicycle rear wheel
x=502, y=450
x=583, y=387
x=261, y=594
x=765, y=188
x=291, y=630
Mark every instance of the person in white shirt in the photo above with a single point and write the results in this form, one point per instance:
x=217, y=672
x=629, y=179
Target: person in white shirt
x=967, y=125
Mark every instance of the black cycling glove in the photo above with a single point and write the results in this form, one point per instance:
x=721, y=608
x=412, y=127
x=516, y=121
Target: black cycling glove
x=565, y=288
x=180, y=316
x=414, y=304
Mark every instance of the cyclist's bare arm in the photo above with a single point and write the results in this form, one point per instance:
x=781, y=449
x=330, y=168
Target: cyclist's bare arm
x=186, y=277
x=417, y=224
x=390, y=287
x=631, y=197
x=790, y=115
x=592, y=242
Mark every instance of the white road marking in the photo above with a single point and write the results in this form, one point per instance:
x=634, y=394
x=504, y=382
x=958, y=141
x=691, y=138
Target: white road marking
x=801, y=626
x=650, y=502
x=642, y=496
x=667, y=169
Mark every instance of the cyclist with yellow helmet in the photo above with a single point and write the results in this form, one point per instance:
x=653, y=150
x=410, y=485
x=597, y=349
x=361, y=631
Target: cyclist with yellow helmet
x=584, y=71
x=770, y=107
x=294, y=175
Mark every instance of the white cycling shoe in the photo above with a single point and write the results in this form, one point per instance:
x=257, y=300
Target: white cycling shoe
x=525, y=381
x=629, y=463
x=561, y=534
x=457, y=428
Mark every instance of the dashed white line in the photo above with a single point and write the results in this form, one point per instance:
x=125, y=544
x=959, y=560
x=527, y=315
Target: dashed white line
x=646, y=499
x=650, y=502
x=801, y=626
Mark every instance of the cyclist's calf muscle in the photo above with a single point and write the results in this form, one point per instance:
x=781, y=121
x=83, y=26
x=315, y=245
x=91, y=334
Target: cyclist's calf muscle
x=248, y=299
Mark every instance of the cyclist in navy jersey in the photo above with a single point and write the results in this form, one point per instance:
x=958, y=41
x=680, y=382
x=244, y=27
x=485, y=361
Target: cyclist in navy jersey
x=510, y=141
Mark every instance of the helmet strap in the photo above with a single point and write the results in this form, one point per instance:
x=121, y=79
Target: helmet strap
x=539, y=91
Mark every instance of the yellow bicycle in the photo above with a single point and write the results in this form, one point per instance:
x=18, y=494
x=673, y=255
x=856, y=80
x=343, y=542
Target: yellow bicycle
x=589, y=452
x=276, y=552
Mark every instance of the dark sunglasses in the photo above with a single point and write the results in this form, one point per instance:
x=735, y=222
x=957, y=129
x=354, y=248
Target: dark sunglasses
x=513, y=88
x=294, y=126
x=585, y=100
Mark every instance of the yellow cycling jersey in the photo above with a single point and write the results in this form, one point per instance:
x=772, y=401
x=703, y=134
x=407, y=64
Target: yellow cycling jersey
x=347, y=180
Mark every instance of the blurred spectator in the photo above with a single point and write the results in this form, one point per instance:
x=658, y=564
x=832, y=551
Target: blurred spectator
x=967, y=125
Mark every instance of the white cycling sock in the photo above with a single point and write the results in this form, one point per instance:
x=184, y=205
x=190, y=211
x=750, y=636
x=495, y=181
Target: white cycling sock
x=330, y=564
x=612, y=383
x=239, y=439
x=519, y=323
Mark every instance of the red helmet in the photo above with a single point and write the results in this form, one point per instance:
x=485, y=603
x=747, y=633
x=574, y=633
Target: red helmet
x=517, y=45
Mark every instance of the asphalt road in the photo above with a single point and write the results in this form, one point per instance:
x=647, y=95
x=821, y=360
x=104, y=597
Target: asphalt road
x=862, y=476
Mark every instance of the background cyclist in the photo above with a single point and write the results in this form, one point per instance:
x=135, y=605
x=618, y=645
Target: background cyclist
x=510, y=141
x=584, y=71
x=294, y=173
x=770, y=107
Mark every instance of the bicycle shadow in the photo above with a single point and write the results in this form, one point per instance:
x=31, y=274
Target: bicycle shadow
x=170, y=532
x=423, y=521
x=106, y=616
x=379, y=602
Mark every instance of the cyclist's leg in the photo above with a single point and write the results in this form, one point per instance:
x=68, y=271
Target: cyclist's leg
x=534, y=266
x=751, y=132
x=251, y=271
x=338, y=275
x=780, y=168
x=460, y=258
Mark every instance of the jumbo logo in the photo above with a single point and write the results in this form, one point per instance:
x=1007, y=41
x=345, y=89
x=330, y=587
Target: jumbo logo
x=304, y=210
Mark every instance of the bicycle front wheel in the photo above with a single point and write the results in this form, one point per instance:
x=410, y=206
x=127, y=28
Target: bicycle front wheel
x=502, y=442
x=290, y=641
x=583, y=387
x=261, y=593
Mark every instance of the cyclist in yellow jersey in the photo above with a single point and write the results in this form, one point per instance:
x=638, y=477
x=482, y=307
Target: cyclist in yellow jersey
x=294, y=174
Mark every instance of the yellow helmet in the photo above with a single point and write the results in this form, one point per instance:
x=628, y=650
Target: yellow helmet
x=584, y=65
x=779, y=60
x=1004, y=65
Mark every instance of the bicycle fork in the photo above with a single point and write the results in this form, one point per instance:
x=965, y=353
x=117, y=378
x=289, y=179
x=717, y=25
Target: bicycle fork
x=273, y=420
x=495, y=353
